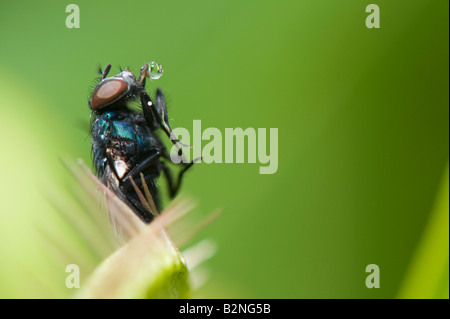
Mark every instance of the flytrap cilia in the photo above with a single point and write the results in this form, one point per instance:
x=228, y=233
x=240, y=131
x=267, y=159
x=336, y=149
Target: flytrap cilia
x=128, y=155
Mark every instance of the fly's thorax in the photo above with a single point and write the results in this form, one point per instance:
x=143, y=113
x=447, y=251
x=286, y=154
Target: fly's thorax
x=121, y=139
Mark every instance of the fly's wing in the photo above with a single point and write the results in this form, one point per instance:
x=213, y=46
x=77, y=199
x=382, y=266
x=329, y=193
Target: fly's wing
x=124, y=221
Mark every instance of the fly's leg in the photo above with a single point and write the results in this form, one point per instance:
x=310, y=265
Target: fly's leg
x=135, y=174
x=174, y=186
x=141, y=167
x=156, y=114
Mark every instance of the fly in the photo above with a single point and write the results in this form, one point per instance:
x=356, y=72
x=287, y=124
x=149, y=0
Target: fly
x=127, y=153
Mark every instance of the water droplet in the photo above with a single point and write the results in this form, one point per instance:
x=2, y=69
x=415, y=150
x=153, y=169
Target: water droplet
x=155, y=70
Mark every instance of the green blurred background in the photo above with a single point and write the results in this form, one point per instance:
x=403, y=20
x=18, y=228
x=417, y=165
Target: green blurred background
x=362, y=116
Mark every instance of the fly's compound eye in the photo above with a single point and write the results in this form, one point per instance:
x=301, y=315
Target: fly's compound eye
x=108, y=92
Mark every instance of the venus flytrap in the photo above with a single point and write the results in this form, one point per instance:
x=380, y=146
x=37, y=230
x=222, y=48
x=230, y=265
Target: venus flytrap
x=148, y=266
x=145, y=263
